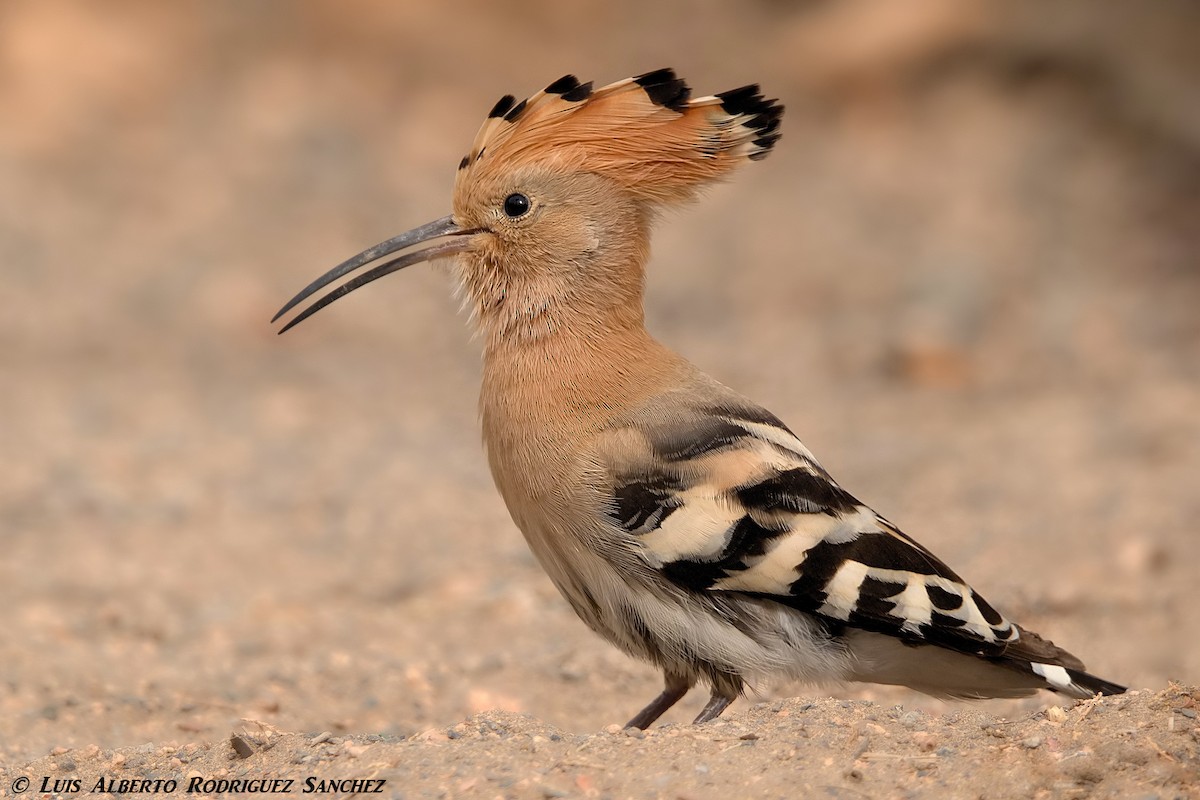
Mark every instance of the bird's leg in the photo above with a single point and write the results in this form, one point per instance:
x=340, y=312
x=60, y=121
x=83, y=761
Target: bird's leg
x=716, y=704
x=676, y=687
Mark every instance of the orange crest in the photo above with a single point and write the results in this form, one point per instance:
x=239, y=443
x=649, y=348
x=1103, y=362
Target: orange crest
x=645, y=133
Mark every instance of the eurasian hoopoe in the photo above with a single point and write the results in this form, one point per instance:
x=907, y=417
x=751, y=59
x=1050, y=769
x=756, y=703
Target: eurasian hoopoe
x=681, y=521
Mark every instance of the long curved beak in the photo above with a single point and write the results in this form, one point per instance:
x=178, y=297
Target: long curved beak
x=439, y=228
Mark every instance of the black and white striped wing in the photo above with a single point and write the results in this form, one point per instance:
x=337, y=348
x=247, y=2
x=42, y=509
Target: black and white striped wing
x=733, y=502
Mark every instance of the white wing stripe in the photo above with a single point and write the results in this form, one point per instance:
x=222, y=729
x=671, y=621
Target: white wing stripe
x=698, y=530
x=776, y=436
x=842, y=590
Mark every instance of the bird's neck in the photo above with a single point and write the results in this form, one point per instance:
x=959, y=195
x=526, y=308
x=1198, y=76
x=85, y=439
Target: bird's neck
x=573, y=380
x=544, y=400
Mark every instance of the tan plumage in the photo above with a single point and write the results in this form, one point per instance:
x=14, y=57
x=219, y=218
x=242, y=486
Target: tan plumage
x=682, y=522
x=645, y=134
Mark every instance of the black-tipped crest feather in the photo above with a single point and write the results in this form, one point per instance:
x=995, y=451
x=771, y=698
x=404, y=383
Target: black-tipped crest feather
x=502, y=106
x=621, y=131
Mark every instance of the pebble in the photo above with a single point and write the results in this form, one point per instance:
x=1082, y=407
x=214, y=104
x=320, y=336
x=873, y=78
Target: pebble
x=1056, y=714
x=320, y=738
x=1032, y=743
x=240, y=746
x=1190, y=713
x=927, y=742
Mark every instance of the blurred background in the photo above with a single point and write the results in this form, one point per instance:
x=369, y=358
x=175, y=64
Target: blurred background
x=968, y=277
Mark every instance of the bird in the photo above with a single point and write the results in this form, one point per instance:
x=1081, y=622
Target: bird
x=682, y=521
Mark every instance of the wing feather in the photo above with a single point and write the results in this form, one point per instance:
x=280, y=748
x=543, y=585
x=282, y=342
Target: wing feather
x=731, y=502
x=724, y=500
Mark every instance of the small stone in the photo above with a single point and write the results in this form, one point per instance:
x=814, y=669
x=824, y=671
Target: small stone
x=1056, y=714
x=321, y=738
x=927, y=742
x=748, y=737
x=635, y=733
x=613, y=729
x=1190, y=713
x=1032, y=743
x=241, y=747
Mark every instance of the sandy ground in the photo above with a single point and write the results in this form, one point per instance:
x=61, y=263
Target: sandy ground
x=1141, y=746
x=968, y=278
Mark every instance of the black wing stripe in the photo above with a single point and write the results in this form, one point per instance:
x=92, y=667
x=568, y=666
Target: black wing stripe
x=641, y=506
x=878, y=550
x=690, y=443
x=798, y=491
x=940, y=598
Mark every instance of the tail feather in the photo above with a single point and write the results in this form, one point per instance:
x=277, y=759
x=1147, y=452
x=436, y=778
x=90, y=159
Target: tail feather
x=1084, y=684
x=946, y=673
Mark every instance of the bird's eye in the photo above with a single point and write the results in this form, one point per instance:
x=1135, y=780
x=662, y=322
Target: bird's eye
x=516, y=205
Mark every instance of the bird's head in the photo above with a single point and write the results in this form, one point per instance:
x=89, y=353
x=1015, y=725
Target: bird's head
x=552, y=205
